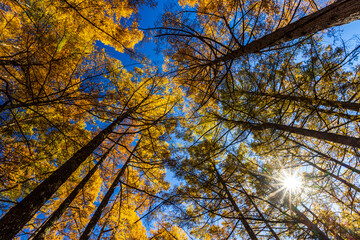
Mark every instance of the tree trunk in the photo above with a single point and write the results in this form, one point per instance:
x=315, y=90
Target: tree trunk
x=95, y=218
x=309, y=224
x=338, y=13
x=326, y=136
x=16, y=218
x=311, y=101
x=43, y=230
x=350, y=185
x=235, y=206
x=261, y=215
x=325, y=156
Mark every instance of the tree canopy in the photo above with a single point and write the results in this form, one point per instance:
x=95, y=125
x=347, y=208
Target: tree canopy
x=248, y=130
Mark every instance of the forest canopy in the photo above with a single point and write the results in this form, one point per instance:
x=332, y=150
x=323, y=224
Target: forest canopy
x=248, y=128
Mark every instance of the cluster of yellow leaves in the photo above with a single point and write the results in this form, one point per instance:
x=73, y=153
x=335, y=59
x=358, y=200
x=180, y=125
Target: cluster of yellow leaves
x=90, y=20
x=28, y=162
x=124, y=221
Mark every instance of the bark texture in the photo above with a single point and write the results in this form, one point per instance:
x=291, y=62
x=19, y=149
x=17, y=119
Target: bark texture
x=326, y=136
x=309, y=224
x=353, y=106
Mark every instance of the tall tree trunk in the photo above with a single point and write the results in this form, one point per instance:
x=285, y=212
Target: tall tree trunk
x=45, y=227
x=334, y=231
x=350, y=185
x=235, y=206
x=261, y=215
x=325, y=156
x=350, y=207
x=309, y=224
x=311, y=101
x=326, y=136
x=338, y=13
x=9, y=105
x=331, y=137
x=16, y=218
x=95, y=218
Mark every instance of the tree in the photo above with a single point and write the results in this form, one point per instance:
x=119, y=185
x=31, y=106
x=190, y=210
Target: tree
x=209, y=15
x=227, y=189
x=280, y=102
x=51, y=78
x=19, y=215
x=338, y=13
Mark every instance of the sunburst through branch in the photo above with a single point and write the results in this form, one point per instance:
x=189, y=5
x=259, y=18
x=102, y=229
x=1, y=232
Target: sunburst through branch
x=290, y=184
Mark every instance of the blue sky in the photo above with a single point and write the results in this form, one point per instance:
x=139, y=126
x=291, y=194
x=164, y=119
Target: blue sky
x=148, y=17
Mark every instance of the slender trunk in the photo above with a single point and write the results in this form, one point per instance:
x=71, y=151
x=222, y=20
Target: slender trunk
x=311, y=101
x=95, y=218
x=331, y=137
x=329, y=112
x=309, y=224
x=349, y=206
x=325, y=156
x=350, y=185
x=235, y=206
x=13, y=63
x=4, y=105
x=16, y=218
x=338, y=13
x=33, y=103
x=44, y=229
x=344, y=230
x=261, y=215
x=326, y=136
x=334, y=231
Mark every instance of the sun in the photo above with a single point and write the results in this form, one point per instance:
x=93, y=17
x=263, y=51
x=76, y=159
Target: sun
x=289, y=182
x=289, y=186
x=292, y=182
